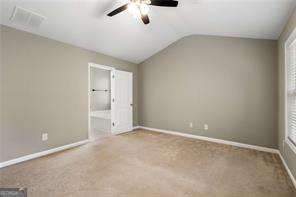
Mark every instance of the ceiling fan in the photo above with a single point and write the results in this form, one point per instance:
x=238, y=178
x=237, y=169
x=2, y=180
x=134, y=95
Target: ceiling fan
x=140, y=9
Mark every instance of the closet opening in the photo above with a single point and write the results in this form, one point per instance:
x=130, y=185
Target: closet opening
x=99, y=101
x=110, y=100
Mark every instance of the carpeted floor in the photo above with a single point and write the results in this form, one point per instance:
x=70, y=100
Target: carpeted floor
x=149, y=164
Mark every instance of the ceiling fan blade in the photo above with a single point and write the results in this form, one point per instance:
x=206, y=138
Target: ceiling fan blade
x=145, y=19
x=165, y=3
x=118, y=10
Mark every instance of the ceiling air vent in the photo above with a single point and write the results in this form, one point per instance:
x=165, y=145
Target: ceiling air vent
x=26, y=17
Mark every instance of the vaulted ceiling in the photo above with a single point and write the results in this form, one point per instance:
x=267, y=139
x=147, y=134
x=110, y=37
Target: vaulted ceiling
x=84, y=23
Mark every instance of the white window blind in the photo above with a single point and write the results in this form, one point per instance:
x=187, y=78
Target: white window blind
x=291, y=92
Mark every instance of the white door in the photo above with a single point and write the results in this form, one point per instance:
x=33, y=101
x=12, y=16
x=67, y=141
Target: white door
x=122, y=101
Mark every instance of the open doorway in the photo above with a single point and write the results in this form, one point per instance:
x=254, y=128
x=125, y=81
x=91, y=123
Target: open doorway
x=110, y=101
x=99, y=101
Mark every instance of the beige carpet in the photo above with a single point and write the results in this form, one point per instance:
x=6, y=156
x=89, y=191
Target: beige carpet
x=148, y=164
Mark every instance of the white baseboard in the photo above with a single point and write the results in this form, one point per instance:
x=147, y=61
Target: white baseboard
x=40, y=154
x=288, y=170
x=259, y=148
x=136, y=127
x=61, y=148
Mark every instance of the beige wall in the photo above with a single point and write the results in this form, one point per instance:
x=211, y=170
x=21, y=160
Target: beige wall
x=45, y=90
x=228, y=83
x=286, y=151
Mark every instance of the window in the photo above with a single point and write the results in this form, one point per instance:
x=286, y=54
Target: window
x=291, y=90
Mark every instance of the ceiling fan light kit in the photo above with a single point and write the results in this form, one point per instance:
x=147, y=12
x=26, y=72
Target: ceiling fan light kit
x=140, y=8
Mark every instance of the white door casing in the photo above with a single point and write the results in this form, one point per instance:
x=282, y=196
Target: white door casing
x=122, y=101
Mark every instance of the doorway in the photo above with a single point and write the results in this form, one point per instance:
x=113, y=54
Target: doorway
x=110, y=101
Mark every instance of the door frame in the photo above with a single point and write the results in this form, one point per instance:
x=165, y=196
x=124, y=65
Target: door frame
x=111, y=69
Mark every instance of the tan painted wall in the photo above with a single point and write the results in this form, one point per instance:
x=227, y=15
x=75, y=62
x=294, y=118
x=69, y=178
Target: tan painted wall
x=45, y=90
x=286, y=151
x=228, y=83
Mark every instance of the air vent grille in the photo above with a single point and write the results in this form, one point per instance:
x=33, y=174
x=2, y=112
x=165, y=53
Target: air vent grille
x=26, y=17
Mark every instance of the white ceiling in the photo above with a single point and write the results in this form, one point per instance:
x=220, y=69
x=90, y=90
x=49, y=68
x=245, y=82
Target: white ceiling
x=84, y=23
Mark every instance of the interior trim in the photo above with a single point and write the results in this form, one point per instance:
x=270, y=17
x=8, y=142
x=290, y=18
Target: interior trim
x=259, y=148
x=68, y=146
x=47, y=152
x=288, y=170
x=242, y=145
x=291, y=144
x=40, y=154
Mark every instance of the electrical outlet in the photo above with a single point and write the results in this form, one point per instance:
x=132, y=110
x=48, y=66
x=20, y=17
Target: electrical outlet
x=44, y=136
x=191, y=125
x=206, y=127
